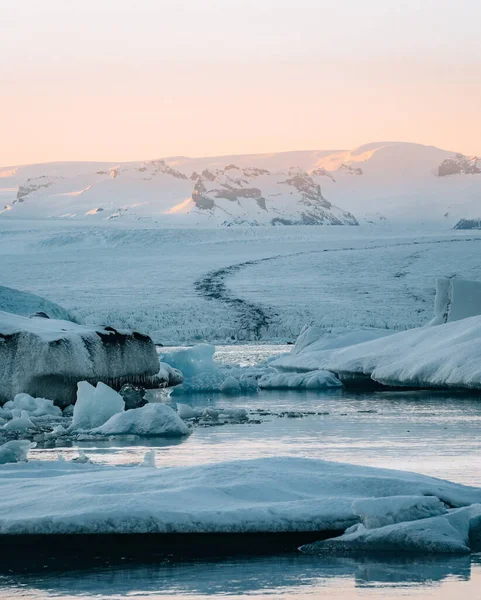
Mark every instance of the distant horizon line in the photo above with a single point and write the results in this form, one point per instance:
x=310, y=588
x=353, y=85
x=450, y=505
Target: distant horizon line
x=242, y=154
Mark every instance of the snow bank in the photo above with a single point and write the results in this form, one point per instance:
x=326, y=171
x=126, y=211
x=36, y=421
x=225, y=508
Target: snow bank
x=267, y=494
x=446, y=356
x=151, y=419
x=47, y=357
x=95, y=405
x=456, y=532
x=456, y=299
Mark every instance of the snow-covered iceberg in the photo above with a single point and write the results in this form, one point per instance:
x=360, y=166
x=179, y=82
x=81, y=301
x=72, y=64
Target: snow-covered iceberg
x=446, y=356
x=281, y=494
x=47, y=357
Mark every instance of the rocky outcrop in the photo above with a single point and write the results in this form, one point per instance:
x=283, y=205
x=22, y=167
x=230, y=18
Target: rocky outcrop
x=254, y=196
x=460, y=164
x=468, y=224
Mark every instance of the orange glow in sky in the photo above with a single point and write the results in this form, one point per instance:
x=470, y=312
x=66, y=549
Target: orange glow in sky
x=117, y=80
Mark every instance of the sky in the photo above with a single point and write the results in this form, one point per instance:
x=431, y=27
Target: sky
x=141, y=79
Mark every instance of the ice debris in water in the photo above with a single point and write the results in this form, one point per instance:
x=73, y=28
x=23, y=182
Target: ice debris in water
x=95, y=405
x=35, y=407
x=82, y=458
x=15, y=451
x=151, y=419
x=312, y=380
x=203, y=374
x=19, y=422
x=149, y=459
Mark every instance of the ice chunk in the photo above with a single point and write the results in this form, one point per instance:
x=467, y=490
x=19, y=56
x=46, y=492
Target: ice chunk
x=378, y=512
x=445, y=534
x=191, y=361
x=151, y=419
x=20, y=422
x=35, y=407
x=456, y=299
x=15, y=451
x=95, y=406
x=185, y=411
x=230, y=386
x=312, y=380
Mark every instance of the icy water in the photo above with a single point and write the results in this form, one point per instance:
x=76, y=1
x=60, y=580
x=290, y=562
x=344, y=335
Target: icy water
x=438, y=434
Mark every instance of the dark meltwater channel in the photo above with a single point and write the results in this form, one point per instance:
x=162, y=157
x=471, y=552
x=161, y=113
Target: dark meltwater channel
x=435, y=433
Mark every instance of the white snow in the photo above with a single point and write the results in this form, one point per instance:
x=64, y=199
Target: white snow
x=95, y=405
x=446, y=356
x=269, y=494
x=151, y=419
x=400, y=182
x=14, y=451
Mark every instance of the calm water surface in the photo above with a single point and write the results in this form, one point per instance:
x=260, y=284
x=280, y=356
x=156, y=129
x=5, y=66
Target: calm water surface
x=438, y=434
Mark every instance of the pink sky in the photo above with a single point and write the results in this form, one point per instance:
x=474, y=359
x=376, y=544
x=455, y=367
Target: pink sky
x=127, y=81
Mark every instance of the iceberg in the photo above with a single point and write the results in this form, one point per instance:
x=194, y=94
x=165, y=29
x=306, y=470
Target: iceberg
x=151, y=419
x=456, y=299
x=95, y=405
x=48, y=357
x=278, y=494
x=445, y=356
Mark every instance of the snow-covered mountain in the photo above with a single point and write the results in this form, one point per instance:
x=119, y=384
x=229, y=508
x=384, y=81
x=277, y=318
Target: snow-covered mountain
x=384, y=183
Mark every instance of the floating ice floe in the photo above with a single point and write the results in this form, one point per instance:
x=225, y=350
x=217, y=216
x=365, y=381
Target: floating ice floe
x=47, y=357
x=151, y=419
x=446, y=356
x=282, y=494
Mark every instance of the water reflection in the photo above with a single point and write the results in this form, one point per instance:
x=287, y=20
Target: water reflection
x=269, y=575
